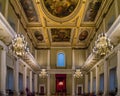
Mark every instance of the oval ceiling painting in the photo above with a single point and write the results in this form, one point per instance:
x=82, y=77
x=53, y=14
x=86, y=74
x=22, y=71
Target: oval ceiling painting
x=60, y=8
x=83, y=35
x=38, y=36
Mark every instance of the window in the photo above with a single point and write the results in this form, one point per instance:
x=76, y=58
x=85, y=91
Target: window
x=102, y=82
x=60, y=59
x=10, y=79
x=89, y=86
x=112, y=79
x=20, y=82
x=28, y=82
x=94, y=84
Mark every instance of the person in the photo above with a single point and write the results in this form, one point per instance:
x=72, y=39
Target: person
x=28, y=92
x=116, y=91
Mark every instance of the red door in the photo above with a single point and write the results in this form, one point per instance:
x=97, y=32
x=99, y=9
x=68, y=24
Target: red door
x=79, y=90
x=42, y=90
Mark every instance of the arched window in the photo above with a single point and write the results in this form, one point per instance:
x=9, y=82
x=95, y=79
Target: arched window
x=60, y=59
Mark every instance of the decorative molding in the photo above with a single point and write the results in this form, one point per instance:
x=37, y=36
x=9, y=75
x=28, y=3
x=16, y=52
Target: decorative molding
x=114, y=27
x=3, y=45
x=6, y=26
x=61, y=71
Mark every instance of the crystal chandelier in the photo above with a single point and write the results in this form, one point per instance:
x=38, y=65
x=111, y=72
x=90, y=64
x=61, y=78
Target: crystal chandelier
x=78, y=73
x=43, y=73
x=102, y=45
x=19, y=46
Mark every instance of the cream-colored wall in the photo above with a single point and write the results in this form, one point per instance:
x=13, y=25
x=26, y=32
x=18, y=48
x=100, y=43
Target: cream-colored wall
x=69, y=83
x=79, y=57
x=12, y=17
x=42, y=57
x=10, y=61
x=101, y=68
x=68, y=57
x=118, y=5
x=113, y=61
x=28, y=72
x=52, y=84
x=21, y=68
x=110, y=17
x=94, y=73
x=3, y=3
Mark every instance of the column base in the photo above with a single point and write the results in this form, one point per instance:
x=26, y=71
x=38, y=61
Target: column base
x=16, y=93
x=105, y=94
x=48, y=94
x=73, y=94
x=2, y=93
x=118, y=94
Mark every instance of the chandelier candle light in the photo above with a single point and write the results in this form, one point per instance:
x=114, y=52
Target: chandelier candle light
x=43, y=73
x=78, y=73
x=102, y=45
x=19, y=46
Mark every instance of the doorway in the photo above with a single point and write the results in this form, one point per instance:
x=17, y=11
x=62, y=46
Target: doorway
x=79, y=89
x=42, y=89
x=60, y=84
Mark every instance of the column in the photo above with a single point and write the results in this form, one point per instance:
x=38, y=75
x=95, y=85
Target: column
x=48, y=85
x=106, y=78
x=16, y=76
x=36, y=83
x=73, y=67
x=91, y=82
x=3, y=70
x=118, y=73
x=6, y=9
x=97, y=79
x=48, y=64
x=25, y=78
x=73, y=86
x=73, y=59
x=86, y=83
x=30, y=81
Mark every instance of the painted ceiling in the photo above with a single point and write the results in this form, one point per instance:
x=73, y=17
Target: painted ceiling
x=60, y=22
x=92, y=10
x=60, y=35
x=60, y=8
x=29, y=10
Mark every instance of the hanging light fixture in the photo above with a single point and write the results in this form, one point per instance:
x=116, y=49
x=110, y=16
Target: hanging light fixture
x=78, y=73
x=102, y=45
x=19, y=46
x=37, y=1
x=43, y=73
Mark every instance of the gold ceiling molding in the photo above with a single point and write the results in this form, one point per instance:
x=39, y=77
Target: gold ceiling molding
x=66, y=18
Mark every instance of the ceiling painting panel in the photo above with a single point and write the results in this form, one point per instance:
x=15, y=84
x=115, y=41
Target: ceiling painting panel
x=83, y=35
x=38, y=35
x=92, y=10
x=61, y=34
x=29, y=10
x=60, y=8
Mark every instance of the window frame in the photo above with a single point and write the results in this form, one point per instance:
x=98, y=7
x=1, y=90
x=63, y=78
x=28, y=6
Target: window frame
x=57, y=65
